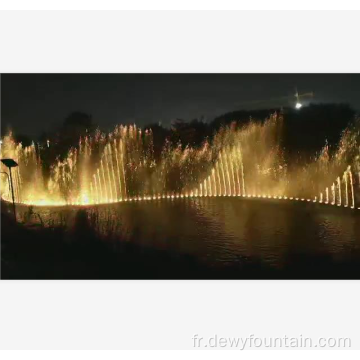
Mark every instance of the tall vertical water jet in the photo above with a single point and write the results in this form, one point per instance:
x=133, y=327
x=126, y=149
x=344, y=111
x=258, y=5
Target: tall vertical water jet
x=219, y=185
x=333, y=193
x=229, y=192
x=338, y=180
x=345, y=176
x=96, y=190
x=113, y=180
x=242, y=172
x=209, y=186
x=118, y=170
x=104, y=184
x=351, y=188
x=327, y=195
x=121, y=146
x=223, y=175
x=213, y=176
x=109, y=180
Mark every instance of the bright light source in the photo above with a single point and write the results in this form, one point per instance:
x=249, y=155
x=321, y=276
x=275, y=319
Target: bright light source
x=298, y=105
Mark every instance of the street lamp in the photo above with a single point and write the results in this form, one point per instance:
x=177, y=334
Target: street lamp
x=10, y=163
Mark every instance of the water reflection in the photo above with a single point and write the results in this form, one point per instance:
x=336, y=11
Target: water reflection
x=222, y=230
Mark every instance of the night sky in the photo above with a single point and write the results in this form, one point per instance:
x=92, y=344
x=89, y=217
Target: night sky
x=33, y=103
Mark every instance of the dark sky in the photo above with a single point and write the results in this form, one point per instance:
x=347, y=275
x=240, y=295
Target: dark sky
x=33, y=103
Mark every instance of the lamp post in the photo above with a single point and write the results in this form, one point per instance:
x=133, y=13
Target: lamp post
x=10, y=163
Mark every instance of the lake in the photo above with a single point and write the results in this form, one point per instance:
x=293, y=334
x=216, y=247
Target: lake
x=224, y=231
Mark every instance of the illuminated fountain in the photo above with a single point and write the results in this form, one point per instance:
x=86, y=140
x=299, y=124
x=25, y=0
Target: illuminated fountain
x=226, y=178
x=27, y=178
x=245, y=161
x=346, y=192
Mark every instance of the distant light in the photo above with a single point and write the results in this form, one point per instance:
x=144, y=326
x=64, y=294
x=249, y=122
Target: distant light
x=298, y=105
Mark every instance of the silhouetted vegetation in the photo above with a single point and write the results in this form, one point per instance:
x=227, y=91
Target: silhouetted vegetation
x=242, y=117
x=75, y=126
x=305, y=131
x=309, y=129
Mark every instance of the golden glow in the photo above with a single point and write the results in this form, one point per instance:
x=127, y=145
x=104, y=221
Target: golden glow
x=119, y=167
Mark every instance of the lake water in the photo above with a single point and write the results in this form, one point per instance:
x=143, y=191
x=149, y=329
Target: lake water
x=223, y=230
